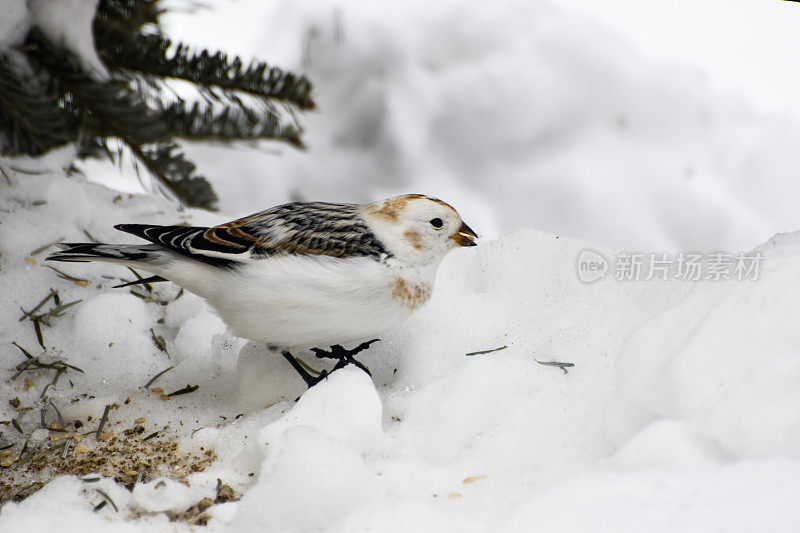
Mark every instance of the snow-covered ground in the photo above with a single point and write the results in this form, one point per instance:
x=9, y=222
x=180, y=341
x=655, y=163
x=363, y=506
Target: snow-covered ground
x=679, y=414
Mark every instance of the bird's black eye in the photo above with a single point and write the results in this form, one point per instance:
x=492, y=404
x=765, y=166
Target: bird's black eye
x=437, y=223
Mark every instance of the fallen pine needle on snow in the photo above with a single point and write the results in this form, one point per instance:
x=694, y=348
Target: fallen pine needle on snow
x=154, y=378
x=107, y=498
x=103, y=420
x=186, y=390
x=562, y=366
x=481, y=352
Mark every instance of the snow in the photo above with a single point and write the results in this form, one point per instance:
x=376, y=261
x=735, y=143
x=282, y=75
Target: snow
x=521, y=114
x=346, y=408
x=732, y=43
x=165, y=494
x=679, y=406
x=309, y=482
x=679, y=413
x=69, y=23
x=110, y=326
x=710, y=376
x=14, y=24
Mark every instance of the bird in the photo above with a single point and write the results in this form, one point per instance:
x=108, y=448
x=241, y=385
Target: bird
x=302, y=275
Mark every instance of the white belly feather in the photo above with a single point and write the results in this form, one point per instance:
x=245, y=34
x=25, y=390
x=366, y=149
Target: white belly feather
x=306, y=301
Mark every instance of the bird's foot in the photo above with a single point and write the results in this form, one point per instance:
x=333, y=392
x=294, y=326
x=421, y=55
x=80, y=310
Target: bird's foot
x=304, y=370
x=344, y=357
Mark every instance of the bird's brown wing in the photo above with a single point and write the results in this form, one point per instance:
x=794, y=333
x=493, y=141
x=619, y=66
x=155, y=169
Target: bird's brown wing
x=298, y=228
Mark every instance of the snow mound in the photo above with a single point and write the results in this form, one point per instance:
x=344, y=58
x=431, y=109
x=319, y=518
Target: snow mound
x=309, y=482
x=165, y=494
x=677, y=389
x=725, y=361
x=345, y=407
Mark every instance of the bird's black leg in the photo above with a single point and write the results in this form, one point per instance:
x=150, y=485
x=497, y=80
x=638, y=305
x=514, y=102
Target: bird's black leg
x=307, y=377
x=344, y=357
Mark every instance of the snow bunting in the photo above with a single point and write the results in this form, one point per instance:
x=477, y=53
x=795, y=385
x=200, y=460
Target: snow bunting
x=302, y=275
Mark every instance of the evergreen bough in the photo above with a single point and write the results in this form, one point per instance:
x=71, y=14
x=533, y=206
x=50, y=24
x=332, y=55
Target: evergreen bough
x=56, y=101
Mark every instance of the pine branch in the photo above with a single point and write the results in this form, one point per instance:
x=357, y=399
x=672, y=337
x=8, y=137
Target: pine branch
x=30, y=119
x=230, y=123
x=128, y=14
x=108, y=109
x=57, y=102
x=155, y=55
x=177, y=174
x=101, y=107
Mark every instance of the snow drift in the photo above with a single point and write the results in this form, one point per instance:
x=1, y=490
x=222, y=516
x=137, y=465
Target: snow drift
x=687, y=414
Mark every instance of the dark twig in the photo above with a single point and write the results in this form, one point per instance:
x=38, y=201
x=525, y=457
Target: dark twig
x=29, y=314
x=562, y=366
x=108, y=499
x=63, y=275
x=160, y=343
x=103, y=419
x=145, y=281
x=481, y=352
x=154, y=378
x=45, y=246
x=37, y=328
x=150, y=436
x=186, y=390
x=24, y=351
x=58, y=414
x=145, y=284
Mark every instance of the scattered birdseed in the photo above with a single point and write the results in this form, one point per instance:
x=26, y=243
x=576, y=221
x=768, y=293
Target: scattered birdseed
x=224, y=493
x=473, y=479
x=121, y=459
x=8, y=461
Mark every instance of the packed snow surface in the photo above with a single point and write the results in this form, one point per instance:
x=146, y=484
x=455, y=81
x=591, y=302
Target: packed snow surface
x=679, y=414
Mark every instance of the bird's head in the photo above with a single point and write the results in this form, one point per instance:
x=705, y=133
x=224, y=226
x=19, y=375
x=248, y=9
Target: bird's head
x=417, y=227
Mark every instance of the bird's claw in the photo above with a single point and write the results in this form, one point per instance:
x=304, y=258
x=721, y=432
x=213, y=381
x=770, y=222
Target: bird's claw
x=343, y=356
x=309, y=378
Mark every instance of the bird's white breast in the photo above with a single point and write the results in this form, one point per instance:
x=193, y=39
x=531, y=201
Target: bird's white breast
x=310, y=301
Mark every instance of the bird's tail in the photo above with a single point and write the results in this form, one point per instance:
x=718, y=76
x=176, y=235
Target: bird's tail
x=126, y=254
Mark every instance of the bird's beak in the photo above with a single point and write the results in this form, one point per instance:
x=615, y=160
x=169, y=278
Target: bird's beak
x=465, y=236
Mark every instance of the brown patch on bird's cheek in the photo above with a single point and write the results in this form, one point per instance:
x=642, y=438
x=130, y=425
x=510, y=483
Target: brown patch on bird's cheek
x=413, y=238
x=411, y=295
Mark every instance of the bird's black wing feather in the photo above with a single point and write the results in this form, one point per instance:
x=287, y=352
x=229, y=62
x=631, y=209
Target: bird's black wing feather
x=297, y=228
